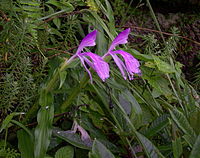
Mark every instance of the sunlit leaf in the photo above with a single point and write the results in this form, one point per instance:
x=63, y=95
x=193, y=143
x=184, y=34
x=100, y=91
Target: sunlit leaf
x=163, y=66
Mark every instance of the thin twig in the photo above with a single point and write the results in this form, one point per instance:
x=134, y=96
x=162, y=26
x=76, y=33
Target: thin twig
x=61, y=51
x=4, y=16
x=165, y=33
x=61, y=114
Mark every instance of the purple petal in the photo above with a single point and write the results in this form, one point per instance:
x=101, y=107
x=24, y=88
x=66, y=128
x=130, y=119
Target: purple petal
x=83, y=63
x=120, y=39
x=120, y=64
x=84, y=134
x=98, y=64
x=88, y=40
x=132, y=64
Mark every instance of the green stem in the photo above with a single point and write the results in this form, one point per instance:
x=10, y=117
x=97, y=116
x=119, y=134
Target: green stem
x=110, y=113
x=155, y=19
x=49, y=87
x=53, y=82
x=173, y=88
x=5, y=140
x=74, y=93
x=23, y=127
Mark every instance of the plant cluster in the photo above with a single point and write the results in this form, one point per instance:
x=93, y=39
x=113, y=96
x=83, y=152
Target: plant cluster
x=135, y=105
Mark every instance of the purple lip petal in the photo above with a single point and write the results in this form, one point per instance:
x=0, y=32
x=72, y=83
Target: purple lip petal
x=83, y=63
x=98, y=64
x=132, y=64
x=84, y=135
x=88, y=40
x=120, y=64
x=120, y=39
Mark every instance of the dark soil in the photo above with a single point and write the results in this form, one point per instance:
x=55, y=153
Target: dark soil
x=183, y=15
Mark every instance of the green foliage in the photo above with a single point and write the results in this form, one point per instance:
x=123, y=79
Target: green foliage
x=9, y=153
x=155, y=115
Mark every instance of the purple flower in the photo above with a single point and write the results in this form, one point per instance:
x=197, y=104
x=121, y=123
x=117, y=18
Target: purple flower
x=88, y=40
x=94, y=61
x=130, y=66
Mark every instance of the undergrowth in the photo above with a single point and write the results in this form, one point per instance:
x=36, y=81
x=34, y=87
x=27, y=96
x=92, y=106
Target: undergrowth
x=49, y=108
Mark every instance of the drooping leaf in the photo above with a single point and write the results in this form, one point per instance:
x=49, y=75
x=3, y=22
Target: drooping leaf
x=150, y=150
x=61, y=5
x=157, y=125
x=100, y=151
x=57, y=22
x=8, y=119
x=65, y=152
x=73, y=138
x=109, y=13
x=182, y=122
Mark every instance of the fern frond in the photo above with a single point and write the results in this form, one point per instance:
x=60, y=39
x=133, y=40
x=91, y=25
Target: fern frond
x=30, y=11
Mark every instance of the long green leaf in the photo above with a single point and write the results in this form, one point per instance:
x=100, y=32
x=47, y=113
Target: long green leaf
x=101, y=22
x=150, y=150
x=23, y=127
x=182, y=122
x=157, y=125
x=177, y=147
x=73, y=138
x=8, y=119
x=25, y=144
x=132, y=107
x=43, y=131
x=109, y=13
